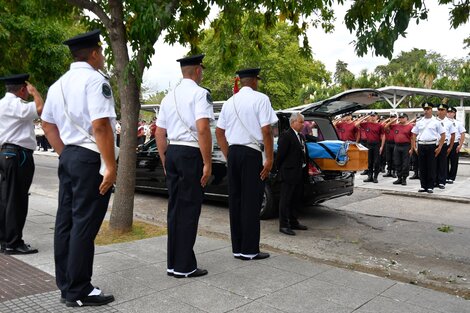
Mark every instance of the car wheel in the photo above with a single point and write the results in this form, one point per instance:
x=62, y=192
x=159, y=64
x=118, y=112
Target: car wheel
x=268, y=206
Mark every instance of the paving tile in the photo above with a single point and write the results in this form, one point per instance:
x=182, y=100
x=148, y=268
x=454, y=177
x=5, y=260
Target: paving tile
x=151, y=250
x=387, y=305
x=253, y=281
x=256, y=307
x=156, y=303
x=123, y=289
x=205, y=297
x=312, y=291
x=19, y=279
x=205, y=244
x=219, y=261
x=153, y=276
x=47, y=303
x=296, y=265
x=356, y=280
x=427, y=298
x=114, y=262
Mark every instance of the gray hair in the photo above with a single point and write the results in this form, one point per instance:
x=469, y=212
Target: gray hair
x=295, y=116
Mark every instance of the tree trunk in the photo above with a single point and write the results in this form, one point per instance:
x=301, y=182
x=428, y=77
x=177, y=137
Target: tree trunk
x=123, y=205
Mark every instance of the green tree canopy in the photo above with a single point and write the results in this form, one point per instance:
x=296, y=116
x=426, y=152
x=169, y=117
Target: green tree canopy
x=31, y=35
x=285, y=69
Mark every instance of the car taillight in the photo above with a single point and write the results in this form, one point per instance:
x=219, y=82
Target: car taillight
x=313, y=170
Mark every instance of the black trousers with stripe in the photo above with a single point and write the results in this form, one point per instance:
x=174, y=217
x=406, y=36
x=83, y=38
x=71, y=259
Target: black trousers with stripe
x=183, y=166
x=16, y=176
x=427, y=165
x=79, y=216
x=442, y=166
x=453, y=161
x=245, y=198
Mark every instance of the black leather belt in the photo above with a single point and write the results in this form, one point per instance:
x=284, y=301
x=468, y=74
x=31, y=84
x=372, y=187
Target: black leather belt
x=12, y=146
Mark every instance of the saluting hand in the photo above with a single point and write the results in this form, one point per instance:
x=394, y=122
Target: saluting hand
x=268, y=165
x=206, y=174
x=109, y=179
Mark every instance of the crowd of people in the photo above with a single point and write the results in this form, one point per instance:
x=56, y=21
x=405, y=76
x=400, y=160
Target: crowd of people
x=427, y=144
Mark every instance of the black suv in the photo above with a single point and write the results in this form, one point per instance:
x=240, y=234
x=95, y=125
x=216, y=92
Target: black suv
x=319, y=185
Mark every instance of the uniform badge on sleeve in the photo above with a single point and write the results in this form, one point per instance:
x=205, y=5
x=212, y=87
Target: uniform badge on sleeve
x=209, y=97
x=106, y=90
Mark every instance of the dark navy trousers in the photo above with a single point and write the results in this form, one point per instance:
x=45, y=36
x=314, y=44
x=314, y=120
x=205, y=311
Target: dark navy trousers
x=183, y=166
x=79, y=216
x=245, y=198
x=16, y=176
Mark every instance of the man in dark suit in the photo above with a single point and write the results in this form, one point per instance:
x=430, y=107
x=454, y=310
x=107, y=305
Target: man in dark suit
x=291, y=162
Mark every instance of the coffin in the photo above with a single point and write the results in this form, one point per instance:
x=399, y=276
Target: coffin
x=337, y=155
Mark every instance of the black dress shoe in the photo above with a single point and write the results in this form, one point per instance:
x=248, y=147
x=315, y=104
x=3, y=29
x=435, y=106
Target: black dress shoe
x=98, y=300
x=422, y=190
x=430, y=191
x=198, y=272
x=170, y=273
x=259, y=256
x=368, y=180
x=299, y=227
x=22, y=249
x=62, y=300
x=375, y=180
x=398, y=181
x=287, y=231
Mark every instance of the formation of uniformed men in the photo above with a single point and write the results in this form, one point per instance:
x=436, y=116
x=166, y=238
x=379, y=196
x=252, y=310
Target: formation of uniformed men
x=399, y=150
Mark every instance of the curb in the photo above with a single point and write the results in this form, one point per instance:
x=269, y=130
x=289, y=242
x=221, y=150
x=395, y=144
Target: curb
x=419, y=195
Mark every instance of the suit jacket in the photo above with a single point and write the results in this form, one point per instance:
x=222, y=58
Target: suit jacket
x=290, y=157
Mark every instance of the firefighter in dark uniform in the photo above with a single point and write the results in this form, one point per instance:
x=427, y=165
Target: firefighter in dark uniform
x=402, y=150
x=243, y=134
x=17, y=142
x=458, y=144
x=389, y=148
x=78, y=121
x=184, y=120
x=427, y=140
x=375, y=143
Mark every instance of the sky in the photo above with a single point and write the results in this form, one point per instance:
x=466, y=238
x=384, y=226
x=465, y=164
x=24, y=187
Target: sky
x=433, y=35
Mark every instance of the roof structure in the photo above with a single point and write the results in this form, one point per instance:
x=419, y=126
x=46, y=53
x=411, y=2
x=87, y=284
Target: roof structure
x=395, y=95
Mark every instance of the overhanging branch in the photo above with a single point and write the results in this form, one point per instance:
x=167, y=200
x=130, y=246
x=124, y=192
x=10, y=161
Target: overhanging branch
x=95, y=8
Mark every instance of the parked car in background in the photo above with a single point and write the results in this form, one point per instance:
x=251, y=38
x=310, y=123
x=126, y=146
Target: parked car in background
x=319, y=185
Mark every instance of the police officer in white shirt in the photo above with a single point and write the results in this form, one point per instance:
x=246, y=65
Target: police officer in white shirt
x=184, y=120
x=243, y=132
x=78, y=106
x=17, y=142
x=458, y=143
x=442, y=162
x=428, y=136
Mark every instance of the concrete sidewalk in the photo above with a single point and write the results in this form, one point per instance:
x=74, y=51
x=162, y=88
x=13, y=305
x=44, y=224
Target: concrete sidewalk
x=135, y=273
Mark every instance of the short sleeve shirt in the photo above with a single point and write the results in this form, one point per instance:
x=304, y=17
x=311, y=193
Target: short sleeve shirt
x=346, y=131
x=181, y=108
x=16, y=121
x=401, y=132
x=428, y=129
x=374, y=131
x=449, y=127
x=251, y=107
x=88, y=97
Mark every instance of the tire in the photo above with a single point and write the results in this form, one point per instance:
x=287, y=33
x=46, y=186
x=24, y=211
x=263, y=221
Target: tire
x=268, y=206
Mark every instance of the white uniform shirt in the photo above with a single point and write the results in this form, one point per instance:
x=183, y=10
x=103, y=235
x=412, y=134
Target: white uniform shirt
x=449, y=127
x=428, y=129
x=88, y=96
x=193, y=103
x=254, y=109
x=460, y=129
x=16, y=121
